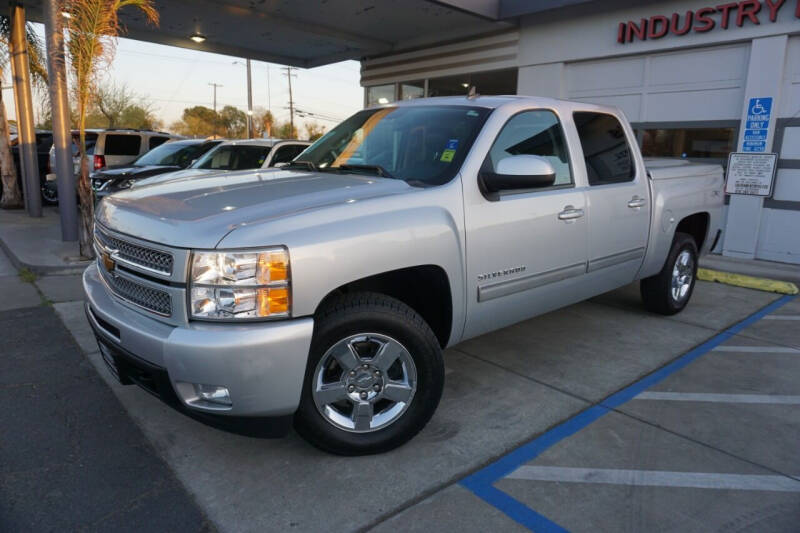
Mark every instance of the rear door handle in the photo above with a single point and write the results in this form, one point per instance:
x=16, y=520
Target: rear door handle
x=637, y=202
x=570, y=213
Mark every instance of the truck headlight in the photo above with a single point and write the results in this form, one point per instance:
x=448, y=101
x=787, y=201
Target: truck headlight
x=240, y=285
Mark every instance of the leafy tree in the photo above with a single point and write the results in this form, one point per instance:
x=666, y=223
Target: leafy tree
x=285, y=131
x=12, y=195
x=263, y=122
x=314, y=131
x=93, y=27
x=197, y=121
x=233, y=121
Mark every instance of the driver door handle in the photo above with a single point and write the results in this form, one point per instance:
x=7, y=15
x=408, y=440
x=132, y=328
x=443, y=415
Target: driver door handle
x=637, y=202
x=570, y=213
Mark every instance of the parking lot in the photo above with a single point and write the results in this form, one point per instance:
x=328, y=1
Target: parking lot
x=547, y=424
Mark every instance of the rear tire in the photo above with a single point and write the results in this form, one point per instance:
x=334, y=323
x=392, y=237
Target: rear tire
x=668, y=292
x=355, y=401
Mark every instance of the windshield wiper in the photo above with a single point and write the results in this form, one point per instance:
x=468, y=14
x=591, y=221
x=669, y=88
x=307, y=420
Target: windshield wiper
x=301, y=164
x=379, y=170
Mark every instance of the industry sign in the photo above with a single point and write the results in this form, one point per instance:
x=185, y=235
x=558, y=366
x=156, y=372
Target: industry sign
x=751, y=174
x=756, y=127
x=704, y=19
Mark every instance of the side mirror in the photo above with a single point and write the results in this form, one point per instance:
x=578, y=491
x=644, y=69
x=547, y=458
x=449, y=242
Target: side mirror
x=519, y=172
x=279, y=165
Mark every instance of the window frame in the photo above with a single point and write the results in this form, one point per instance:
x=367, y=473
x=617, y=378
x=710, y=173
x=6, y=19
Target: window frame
x=635, y=175
x=486, y=165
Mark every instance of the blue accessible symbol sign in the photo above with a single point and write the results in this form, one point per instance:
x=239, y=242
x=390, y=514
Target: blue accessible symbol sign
x=756, y=126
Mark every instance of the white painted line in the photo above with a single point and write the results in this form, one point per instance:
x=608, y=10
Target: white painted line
x=719, y=398
x=656, y=478
x=782, y=317
x=756, y=349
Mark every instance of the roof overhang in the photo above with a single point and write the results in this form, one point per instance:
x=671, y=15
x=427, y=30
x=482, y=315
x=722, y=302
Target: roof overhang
x=307, y=33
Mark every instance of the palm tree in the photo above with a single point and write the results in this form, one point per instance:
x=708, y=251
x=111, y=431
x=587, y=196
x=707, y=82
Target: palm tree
x=93, y=27
x=12, y=196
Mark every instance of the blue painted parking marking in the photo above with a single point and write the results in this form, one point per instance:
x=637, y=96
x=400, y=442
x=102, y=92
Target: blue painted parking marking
x=481, y=483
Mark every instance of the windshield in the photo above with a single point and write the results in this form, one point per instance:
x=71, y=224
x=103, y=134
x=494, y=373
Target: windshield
x=234, y=157
x=170, y=155
x=422, y=145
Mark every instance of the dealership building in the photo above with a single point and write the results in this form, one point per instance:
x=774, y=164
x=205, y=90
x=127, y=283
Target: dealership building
x=697, y=80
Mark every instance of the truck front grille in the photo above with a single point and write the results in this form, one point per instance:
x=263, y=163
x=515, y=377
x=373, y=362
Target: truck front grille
x=148, y=298
x=136, y=254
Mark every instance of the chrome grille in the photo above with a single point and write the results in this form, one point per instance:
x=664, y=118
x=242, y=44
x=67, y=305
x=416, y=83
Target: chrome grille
x=147, y=298
x=136, y=254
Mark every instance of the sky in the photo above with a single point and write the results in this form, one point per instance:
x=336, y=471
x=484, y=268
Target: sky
x=172, y=79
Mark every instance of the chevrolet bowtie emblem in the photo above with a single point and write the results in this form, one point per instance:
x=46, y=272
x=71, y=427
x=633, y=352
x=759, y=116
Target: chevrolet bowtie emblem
x=108, y=262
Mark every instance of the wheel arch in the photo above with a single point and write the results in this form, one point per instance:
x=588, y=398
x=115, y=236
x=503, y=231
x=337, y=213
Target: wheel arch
x=424, y=288
x=696, y=225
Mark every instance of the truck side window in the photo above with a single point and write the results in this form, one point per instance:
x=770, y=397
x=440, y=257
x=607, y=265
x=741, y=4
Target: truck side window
x=534, y=133
x=605, y=148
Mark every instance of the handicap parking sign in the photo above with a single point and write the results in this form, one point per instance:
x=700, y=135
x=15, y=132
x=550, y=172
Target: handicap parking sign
x=756, y=128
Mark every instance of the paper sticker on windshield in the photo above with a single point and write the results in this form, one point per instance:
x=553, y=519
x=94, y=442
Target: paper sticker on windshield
x=447, y=156
x=452, y=144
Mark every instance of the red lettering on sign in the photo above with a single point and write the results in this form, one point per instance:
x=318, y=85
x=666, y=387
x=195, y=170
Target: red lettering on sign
x=774, y=6
x=639, y=31
x=700, y=21
x=707, y=22
x=687, y=25
x=725, y=9
x=658, y=27
x=749, y=9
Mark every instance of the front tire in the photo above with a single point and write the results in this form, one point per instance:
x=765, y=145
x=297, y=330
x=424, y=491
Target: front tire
x=374, y=377
x=668, y=292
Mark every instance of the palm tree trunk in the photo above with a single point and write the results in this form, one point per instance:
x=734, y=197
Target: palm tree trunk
x=85, y=192
x=12, y=197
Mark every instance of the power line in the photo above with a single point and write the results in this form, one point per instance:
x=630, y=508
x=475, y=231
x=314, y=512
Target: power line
x=289, y=75
x=215, y=85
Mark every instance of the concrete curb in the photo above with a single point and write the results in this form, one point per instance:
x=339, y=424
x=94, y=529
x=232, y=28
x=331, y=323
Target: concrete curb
x=748, y=282
x=43, y=270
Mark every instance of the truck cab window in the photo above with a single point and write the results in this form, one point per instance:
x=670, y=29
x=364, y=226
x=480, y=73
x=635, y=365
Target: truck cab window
x=534, y=133
x=605, y=148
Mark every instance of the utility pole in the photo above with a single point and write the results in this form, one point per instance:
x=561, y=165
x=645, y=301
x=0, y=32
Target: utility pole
x=215, y=85
x=289, y=75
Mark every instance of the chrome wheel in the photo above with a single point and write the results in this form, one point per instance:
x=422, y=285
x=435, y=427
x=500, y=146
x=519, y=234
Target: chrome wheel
x=364, y=382
x=49, y=195
x=682, y=276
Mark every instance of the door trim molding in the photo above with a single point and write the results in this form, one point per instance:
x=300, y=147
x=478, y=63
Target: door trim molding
x=615, y=259
x=499, y=289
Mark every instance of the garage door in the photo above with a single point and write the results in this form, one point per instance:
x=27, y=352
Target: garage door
x=700, y=84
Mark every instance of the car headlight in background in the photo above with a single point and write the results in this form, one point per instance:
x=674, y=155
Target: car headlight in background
x=240, y=285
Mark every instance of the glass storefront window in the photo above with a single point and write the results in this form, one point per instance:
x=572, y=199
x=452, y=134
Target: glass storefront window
x=690, y=143
x=412, y=89
x=380, y=94
x=486, y=83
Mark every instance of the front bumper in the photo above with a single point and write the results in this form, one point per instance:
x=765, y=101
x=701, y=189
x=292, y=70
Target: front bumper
x=262, y=364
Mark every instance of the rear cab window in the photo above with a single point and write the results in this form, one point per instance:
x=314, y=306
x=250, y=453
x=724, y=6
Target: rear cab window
x=287, y=152
x=606, y=149
x=117, y=144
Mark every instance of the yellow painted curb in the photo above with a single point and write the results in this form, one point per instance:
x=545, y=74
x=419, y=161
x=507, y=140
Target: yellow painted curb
x=749, y=282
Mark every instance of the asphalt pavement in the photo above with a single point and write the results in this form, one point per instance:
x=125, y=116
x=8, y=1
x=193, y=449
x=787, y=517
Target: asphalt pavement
x=70, y=456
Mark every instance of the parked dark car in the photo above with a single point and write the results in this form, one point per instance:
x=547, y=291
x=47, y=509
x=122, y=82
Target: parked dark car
x=168, y=157
x=44, y=140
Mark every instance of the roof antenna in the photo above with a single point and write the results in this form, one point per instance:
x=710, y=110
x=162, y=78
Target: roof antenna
x=473, y=93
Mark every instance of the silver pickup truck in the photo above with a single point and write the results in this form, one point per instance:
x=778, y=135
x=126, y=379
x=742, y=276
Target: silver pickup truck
x=323, y=293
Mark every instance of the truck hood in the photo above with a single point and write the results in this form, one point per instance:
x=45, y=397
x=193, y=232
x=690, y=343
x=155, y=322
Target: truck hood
x=198, y=212
x=177, y=174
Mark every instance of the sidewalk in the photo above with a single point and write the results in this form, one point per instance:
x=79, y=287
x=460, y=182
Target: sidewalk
x=753, y=267
x=35, y=243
